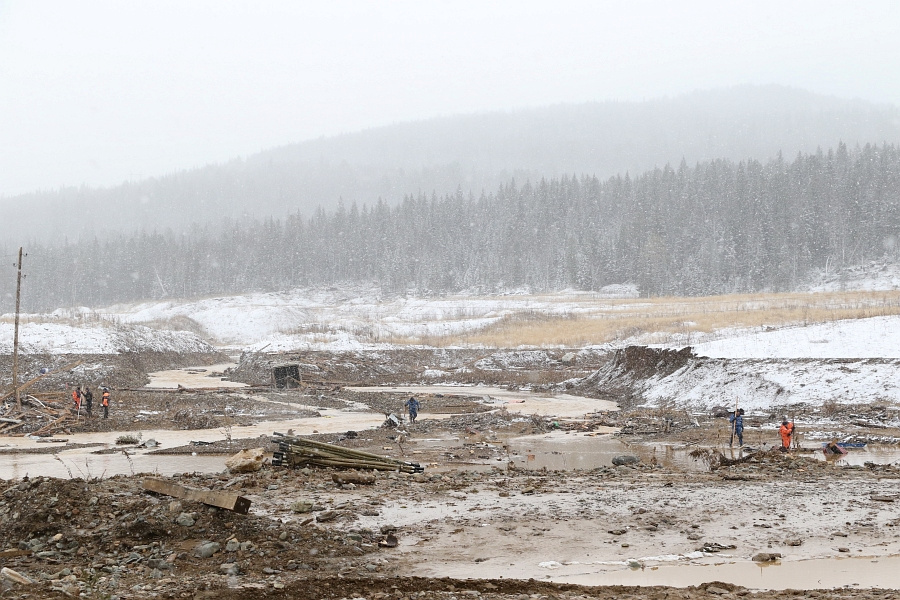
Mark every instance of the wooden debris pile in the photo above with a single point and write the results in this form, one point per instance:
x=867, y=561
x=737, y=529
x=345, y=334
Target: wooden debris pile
x=295, y=451
x=40, y=414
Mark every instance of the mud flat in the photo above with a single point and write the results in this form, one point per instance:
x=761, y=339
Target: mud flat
x=519, y=500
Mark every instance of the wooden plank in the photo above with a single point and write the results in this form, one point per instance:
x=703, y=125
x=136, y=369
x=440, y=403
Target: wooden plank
x=226, y=500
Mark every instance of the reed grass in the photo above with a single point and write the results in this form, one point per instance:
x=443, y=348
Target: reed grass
x=606, y=321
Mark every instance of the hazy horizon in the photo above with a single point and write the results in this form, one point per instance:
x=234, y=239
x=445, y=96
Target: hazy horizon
x=102, y=92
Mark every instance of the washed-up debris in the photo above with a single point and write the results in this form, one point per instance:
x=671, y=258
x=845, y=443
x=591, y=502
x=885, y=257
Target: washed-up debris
x=226, y=500
x=882, y=498
x=7, y=573
x=295, y=451
x=712, y=547
x=391, y=422
x=353, y=477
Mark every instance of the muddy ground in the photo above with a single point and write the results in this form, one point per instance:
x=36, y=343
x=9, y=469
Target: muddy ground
x=474, y=525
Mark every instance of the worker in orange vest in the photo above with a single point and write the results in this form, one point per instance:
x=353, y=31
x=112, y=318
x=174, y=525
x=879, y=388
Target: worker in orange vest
x=786, y=431
x=76, y=399
x=104, y=402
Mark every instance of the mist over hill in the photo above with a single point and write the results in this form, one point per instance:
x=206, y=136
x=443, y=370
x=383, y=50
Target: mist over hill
x=718, y=227
x=470, y=153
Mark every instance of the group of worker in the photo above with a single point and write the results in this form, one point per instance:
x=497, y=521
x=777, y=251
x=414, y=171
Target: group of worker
x=83, y=395
x=786, y=431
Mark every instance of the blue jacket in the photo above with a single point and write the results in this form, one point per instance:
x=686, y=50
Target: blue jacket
x=738, y=421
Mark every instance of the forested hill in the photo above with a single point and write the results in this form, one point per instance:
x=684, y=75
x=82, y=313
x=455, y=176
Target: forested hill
x=473, y=153
x=717, y=227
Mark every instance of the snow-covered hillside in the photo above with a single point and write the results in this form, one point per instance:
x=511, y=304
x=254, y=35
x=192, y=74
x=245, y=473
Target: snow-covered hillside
x=59, y=337
x=353, y=318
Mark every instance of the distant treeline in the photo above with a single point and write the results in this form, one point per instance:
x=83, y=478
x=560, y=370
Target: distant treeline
x=718, y=227
x=477, y=152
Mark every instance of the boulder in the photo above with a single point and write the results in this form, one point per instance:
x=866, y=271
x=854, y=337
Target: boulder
x=206, y=549
x=625, y=459
x=246, y=461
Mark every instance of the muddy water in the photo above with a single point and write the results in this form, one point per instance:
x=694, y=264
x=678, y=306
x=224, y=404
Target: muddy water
x=528, y=403
x=559, y=451
x=82, y=462
x=193, y=378
x=882, y=572
x=12, y=465
x=880, y=454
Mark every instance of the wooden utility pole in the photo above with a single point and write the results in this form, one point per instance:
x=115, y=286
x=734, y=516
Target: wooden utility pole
x=15, y=369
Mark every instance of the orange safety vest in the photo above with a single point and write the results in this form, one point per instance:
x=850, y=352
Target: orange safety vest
x=105, y=398
x=76, y=398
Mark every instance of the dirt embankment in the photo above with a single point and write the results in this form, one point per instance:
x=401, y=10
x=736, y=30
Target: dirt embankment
x=622, y=377
x=417, y=365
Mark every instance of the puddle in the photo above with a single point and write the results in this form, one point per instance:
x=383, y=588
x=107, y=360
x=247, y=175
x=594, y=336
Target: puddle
x=883, y=572
x=880, y=454
x=559, y=451
x=193, y=378
x=529, y=403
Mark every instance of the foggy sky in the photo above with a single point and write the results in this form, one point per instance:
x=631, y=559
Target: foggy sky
x=100, y=92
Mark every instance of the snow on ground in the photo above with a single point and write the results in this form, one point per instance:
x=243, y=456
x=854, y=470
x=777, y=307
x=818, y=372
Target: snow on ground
x=57, y=337
x=876, y=337
x=758, y=385
x=873, y=276
x=845, y=362
x=349, y=319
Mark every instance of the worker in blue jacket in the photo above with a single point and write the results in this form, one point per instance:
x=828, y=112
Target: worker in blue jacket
x=737, y=424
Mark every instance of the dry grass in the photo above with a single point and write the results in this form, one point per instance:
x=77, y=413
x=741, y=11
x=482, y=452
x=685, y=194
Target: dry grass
x=660, y=319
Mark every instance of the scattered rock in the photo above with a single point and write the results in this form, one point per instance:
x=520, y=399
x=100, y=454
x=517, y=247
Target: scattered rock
x=328, y=515
x=625, y=459
x=206, y=549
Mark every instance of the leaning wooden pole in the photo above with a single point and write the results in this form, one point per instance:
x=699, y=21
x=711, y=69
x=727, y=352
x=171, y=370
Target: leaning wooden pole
x=15, y=365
